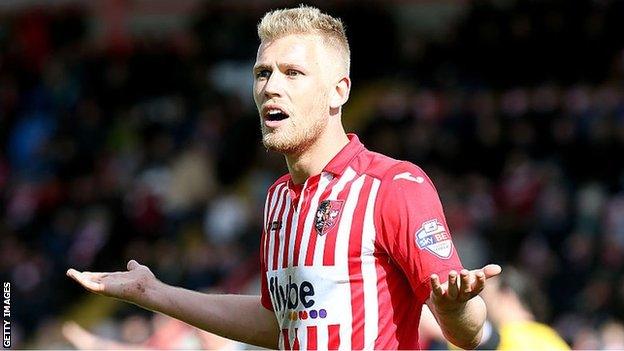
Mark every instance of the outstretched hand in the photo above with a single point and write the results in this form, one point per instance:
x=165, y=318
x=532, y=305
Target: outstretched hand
x=128, y=285
x=453, y=294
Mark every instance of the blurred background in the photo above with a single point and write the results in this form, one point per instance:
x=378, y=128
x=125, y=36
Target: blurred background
x=128, y=130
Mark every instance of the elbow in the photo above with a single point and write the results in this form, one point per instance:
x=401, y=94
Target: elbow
x=471, y=345
x=468, y=344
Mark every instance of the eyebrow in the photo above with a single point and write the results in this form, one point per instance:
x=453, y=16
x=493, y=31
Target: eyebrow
x=261, y=66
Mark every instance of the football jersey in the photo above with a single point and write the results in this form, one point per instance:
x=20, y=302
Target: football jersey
x=346, y=257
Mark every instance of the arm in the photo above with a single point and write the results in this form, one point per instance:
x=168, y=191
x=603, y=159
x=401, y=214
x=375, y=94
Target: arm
x=414, y=232
x=459, y=310
x=237, y=317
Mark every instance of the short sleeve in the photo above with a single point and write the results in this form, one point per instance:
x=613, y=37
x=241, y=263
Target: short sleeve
x=412, y=227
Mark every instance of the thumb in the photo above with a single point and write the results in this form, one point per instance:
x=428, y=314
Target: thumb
x=491, y=270
x=132, y=265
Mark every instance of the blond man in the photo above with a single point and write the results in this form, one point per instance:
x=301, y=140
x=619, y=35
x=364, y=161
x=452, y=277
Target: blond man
x=353, y=242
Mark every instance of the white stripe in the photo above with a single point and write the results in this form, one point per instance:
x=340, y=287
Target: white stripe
x=266, y=211
x=301, y=196
x=282, y=231
x=369, y=272
x=294, y=225
x=322, y=337
x=305, y=237
x=344, y=230
x=271, y=233
x=342, y=259
x=269, y=204
x=293, y=234
x=302, y=333
x=319, y=250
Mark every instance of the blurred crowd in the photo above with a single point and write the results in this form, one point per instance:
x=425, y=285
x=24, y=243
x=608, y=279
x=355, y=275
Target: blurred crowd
x=149, y=148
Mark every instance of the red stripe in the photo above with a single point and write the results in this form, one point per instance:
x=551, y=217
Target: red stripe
x=276, y=232
x=333, y=342
x=311, y=337
x=296, y=342
x=299, y=232
x=286, y=339
x=311, y=184
x=355, y=267
x=291, y=210
x=263, y=278
x=267, y=226
x=311, y=246
x=329, y=251
x=386, y=336
x=262, y=253
x=313, y=234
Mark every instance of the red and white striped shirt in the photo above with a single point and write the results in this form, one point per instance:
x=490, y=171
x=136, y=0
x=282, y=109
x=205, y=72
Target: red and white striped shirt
x=346, y=258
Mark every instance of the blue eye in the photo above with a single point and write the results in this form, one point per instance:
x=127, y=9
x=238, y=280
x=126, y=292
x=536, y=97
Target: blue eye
x=265, y=73
x=292, y=72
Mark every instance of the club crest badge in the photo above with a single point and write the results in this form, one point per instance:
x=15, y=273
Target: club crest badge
x=327, y=215
x=433, y=237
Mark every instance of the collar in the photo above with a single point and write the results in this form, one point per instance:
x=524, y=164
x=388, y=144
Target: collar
x=336, y=166
x=339, y=163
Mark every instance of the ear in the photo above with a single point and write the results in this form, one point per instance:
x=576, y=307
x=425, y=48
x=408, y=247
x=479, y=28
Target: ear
x=340, y=93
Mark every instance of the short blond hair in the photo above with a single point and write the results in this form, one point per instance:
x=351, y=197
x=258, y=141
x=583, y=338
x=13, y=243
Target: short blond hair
x=306, y=20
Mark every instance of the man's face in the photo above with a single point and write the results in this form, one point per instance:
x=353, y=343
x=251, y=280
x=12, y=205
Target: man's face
x=291, y=91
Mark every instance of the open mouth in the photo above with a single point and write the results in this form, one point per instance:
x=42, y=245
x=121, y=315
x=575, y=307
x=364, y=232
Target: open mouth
x=276, y=115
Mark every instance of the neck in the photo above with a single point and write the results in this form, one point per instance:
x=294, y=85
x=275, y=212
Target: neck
x=311, y=161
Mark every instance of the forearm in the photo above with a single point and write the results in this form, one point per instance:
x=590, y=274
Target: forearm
x=237, y=317
x=463, y=327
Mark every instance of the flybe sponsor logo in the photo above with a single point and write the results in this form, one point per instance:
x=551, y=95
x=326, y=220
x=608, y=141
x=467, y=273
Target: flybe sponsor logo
x=294, y=301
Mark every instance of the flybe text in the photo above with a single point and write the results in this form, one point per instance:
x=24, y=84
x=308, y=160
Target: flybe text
x=288, y=295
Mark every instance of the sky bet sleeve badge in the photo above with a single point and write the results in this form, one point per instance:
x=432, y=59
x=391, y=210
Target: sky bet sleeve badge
x=327, y=214
x=433, y=237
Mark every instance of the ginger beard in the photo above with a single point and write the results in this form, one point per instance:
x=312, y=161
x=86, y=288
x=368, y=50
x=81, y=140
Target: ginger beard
x=300, y=130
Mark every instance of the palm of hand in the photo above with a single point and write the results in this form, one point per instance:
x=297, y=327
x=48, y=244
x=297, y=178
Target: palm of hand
x=457, y=290
x=123, y=285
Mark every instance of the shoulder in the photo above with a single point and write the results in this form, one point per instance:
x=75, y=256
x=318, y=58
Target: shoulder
x=405, y=191
x=387, y=169
x=402, y=184
x=395, y=176
x=281, y=180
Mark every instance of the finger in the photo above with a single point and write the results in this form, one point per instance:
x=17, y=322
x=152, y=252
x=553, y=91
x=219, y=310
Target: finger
x=78, y=336
x=436, y=287
x=452, y=285
x=85, y=281
x=491, y=270
x=71, y=329
x=95, y=276
x=74, y=274
x=132, y=264
x=90, y=275
x=480, y=283
x=466, y=286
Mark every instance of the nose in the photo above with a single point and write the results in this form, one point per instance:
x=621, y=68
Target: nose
x=273, y=86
